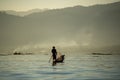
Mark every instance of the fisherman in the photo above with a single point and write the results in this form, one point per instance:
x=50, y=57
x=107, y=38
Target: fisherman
x=54, y=53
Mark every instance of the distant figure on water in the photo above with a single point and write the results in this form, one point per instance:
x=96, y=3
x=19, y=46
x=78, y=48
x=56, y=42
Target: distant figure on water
x=54, y=53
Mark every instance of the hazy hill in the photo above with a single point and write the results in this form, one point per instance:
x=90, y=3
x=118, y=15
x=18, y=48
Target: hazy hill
x=75, y=28
x=23, y=13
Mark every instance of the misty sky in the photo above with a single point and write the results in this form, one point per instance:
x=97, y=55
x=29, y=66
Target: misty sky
x=23, y=5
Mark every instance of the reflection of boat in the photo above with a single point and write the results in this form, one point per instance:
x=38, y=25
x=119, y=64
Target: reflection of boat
x=59, y=60
x=101, y=54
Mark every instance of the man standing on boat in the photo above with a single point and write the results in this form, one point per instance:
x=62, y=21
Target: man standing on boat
x=54, y=53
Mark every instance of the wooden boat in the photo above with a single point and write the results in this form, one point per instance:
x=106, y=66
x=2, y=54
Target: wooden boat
x=59, y=60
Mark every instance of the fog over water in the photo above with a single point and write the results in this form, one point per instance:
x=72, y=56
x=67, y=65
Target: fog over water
x=86, y=29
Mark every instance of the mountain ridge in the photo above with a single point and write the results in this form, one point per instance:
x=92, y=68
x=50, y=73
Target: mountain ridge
x=23, y=13
x=88, y=27
x=37, y=10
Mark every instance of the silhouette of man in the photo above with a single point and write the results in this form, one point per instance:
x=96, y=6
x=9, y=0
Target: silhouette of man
x=54, y=53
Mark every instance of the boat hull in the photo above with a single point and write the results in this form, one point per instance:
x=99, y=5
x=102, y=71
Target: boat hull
x=59, y=60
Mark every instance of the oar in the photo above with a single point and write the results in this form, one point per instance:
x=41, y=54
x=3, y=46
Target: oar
x=50, y=59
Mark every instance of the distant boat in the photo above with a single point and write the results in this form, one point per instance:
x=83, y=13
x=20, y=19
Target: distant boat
x=101, y=54
x=18, y=53
x=59, y=60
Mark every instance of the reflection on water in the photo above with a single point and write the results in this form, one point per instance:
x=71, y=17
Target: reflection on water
x=79, y=67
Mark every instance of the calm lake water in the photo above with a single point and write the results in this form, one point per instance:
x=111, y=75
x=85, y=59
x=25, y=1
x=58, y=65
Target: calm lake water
x=78, y=67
